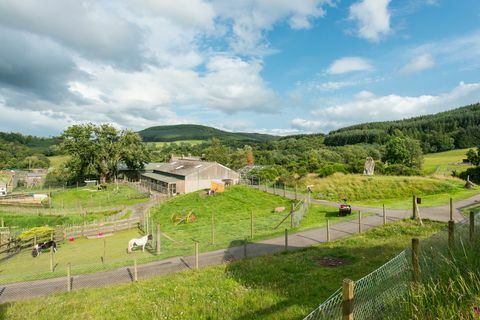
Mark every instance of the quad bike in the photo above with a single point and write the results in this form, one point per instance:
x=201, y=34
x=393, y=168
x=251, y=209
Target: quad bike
x=344, y=208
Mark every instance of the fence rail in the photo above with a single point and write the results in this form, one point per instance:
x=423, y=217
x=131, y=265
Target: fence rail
x=100, y=227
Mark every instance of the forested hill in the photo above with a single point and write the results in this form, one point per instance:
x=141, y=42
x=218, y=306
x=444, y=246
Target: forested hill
x=183, y=132
x=457, y=128
x=22, y=151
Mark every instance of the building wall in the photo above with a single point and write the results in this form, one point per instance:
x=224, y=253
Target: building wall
x=203, y=179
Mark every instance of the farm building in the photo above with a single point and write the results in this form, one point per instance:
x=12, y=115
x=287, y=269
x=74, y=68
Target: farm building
x=184, y=175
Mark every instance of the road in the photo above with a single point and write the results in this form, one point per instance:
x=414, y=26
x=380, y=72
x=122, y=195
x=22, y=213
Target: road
x=25, y=290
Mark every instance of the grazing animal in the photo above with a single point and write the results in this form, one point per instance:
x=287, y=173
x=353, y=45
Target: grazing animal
x=37, y=249
x=142, y=242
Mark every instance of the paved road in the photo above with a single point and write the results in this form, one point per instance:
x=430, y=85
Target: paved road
x=303, y=239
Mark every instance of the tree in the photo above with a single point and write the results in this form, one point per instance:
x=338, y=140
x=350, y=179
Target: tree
x=249, y=155
x=96, y=150
x=217, y=152
x=474, y=156
x=404, y=151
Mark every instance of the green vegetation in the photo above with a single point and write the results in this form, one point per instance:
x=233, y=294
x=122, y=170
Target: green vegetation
x=90, y=197
x=282, y=286
x=232, y=217
x=457, y=128
x=183, y=132
x=444, y=163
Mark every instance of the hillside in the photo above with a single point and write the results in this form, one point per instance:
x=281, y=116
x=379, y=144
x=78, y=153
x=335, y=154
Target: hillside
x=183, y=132
x=453, y=129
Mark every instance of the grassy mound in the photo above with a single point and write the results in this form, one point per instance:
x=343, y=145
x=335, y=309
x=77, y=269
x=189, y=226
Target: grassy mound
x=283, y=286
x=360, y=187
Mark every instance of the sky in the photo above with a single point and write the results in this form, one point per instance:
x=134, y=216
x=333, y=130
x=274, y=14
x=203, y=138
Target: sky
x=270, y=66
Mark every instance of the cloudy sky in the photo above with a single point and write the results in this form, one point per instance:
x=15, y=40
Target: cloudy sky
x=276, y=66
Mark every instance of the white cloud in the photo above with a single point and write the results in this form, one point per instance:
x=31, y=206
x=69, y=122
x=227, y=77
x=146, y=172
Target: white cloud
x=366, y=107
x=349, y=64
x=310, y=126
x=372, y=17
x=417, y=64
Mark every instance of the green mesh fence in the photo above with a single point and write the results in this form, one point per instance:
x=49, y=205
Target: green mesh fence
x=299, y=211
x=379, y=292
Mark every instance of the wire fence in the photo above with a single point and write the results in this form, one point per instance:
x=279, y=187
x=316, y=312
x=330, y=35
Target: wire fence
x=378, y=293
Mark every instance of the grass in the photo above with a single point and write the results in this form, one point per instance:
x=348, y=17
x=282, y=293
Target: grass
x=189, y=142
x=283, y=286
x=88, y=197
x=232, y=212
x=57, y=161
x=443, y=163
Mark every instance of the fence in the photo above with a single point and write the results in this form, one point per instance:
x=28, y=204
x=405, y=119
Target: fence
x=100, y=227
x=376, y=294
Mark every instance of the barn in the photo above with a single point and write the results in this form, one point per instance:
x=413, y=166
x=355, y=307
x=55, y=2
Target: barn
x=184, y=175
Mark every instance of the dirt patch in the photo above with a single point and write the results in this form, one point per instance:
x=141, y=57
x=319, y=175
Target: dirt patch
x=332, y=262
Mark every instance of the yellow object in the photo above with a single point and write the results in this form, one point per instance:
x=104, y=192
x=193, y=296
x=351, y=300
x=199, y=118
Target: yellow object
x=217, y=186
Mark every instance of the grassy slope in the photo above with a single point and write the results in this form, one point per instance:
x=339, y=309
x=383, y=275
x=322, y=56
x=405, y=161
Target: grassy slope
x=284, y=286
x=232, y=215
x=443, y=163
x=57, y=161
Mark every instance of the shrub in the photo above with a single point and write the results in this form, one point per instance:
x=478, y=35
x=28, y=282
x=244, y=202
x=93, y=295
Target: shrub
x=328, y=169
x=401, y=170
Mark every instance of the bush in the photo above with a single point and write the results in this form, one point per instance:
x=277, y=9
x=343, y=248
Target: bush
x=36, y=231
x=328, y=169
x=401, y=170
x=474, y=174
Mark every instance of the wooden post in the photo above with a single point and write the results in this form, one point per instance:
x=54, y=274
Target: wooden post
x=284, y=191
x=415, y=261
x=196, y=255
x=69, y=277
x=51, y=255
x=251, y=225
x=245, y=242
x=104, y=249
x=274, y=189
x=3, y=223
x=35, y=240
x=472, y=225
x=157, y=246
x=359, y=222
x=292, y=212
x=296, y=192
x=384, y=215
x=451, y=234
x=328, y=230
x=213, y=228
x=286, y=239
x=347, y=304
x=451, y=209
x=135, y=273
x=414, y=207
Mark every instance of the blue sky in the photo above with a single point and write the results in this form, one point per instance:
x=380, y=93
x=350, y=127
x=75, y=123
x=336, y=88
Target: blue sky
x=273, y=66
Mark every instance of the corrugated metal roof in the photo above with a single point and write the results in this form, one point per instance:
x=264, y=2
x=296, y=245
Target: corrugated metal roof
x=183, y=167
x=161, y=177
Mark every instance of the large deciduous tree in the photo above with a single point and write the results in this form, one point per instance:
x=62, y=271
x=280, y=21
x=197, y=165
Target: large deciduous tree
x=96, y=150
x=403, y=151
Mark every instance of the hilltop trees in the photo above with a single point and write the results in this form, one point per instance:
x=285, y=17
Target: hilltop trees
x=403, y=152
x=96, y=150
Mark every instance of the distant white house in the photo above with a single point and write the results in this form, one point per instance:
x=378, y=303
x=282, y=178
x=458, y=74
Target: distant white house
x=3, y=189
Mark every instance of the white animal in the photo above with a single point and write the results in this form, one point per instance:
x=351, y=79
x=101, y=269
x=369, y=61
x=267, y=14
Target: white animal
x=142, y=242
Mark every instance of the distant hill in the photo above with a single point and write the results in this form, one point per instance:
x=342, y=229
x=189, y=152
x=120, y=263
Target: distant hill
x=453, y=129
x=183, y=132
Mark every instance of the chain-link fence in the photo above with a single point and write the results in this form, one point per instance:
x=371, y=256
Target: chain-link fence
x=377, y=294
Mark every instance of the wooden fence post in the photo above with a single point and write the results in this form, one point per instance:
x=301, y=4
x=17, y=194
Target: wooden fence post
x=472, y=225
x=451, y=234
x=415, y=261
x=251, y=225
x=245, y=242
x=3, y=223
x=135, y=273
x=296, y=192
x=196, y=255
x=328, y=230
x=284, y=191
x=451, y=209
x=286, y=239
x=359, y=222
x=414, y=207
x=157, y=246
x=104, y=249
x=347, y=304
x=274, y=189
x=213, y=228
x=292, y=212
x=51, y=254
x=384, y=215
x=69, y=277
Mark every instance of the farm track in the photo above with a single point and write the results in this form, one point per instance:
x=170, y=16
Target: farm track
x=26, y=290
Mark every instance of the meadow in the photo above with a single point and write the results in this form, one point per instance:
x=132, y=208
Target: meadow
x=444, y=163
x=281, y=286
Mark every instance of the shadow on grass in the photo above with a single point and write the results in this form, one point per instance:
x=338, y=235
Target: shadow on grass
x=297, y=277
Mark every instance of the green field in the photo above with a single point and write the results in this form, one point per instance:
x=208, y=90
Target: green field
x=282, y=286
x=57, y=161
x=444, y=163
x=89, y=197
x=232, y=212
x=189, y=142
